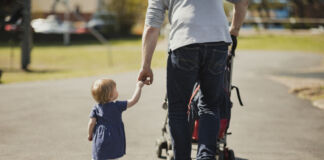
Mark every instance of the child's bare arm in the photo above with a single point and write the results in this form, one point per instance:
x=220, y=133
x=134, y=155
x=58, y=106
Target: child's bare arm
x=136, y=96
x=91, y=125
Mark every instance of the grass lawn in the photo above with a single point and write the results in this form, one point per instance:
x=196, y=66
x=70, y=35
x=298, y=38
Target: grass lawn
x=302, y=43
x=79, y=60
x=50, y=61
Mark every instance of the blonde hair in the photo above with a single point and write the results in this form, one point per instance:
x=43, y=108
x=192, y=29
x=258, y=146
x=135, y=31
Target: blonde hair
x=102, y=90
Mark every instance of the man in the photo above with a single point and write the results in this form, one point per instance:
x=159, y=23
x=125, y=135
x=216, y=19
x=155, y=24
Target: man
x=198, y=46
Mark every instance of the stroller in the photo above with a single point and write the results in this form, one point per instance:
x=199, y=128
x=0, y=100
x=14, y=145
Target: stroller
x=223, y=152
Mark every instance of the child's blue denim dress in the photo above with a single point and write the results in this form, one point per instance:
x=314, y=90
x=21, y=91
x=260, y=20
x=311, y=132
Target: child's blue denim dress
x=109, y=134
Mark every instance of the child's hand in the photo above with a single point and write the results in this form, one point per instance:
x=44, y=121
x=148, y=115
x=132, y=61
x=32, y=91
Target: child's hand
x=90, y=137
x=140, y=84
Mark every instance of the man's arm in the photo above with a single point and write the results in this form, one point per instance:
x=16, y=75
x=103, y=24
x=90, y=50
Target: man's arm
x=91, y=125
x=149, y=40
x=240, y=9
x=136, y=96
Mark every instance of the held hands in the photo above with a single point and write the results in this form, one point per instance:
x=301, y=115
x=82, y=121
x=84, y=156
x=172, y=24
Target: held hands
x=137, y=94
x=146, y=76
x=140, y=84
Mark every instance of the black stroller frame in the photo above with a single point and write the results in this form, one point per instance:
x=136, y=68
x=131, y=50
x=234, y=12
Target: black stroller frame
x=223, y=152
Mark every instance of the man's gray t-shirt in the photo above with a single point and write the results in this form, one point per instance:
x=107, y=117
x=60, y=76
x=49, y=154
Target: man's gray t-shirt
x=192, y=21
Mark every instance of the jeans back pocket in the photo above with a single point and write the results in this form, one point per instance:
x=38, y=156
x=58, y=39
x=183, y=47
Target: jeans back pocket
x=186, y=58
x=216, y=61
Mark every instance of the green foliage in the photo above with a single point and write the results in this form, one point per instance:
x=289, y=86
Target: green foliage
x=298, y=8
x=307, y=8
x=228, y=7
x=127, y=12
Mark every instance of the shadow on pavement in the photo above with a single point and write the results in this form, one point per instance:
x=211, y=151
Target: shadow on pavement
x=43, y=71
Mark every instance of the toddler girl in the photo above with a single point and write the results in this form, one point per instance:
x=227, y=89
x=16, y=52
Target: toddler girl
x=106, y=128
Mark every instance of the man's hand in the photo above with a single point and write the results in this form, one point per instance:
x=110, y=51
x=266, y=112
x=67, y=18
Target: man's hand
x=90, y=137
x=146, y=75
x=234, y=31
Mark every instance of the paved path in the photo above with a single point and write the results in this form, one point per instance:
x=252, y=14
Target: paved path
x=47, y=120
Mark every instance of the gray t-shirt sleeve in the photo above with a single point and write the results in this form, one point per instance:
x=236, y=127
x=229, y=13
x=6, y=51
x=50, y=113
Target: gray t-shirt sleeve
x=233, y=1
x=155, y=13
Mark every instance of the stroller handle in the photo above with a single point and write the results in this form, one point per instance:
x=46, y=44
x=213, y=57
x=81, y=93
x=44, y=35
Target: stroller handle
x=234, y=45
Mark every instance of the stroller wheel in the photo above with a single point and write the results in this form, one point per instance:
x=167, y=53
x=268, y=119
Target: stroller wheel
x=160, y=144
x=227, y=154
x=231, y=155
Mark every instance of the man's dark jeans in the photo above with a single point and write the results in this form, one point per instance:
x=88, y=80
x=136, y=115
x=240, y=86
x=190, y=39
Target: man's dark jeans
x=204, y=63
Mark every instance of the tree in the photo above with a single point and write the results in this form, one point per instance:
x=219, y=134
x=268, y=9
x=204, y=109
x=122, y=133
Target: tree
x=127, y=12
x=307, y=8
